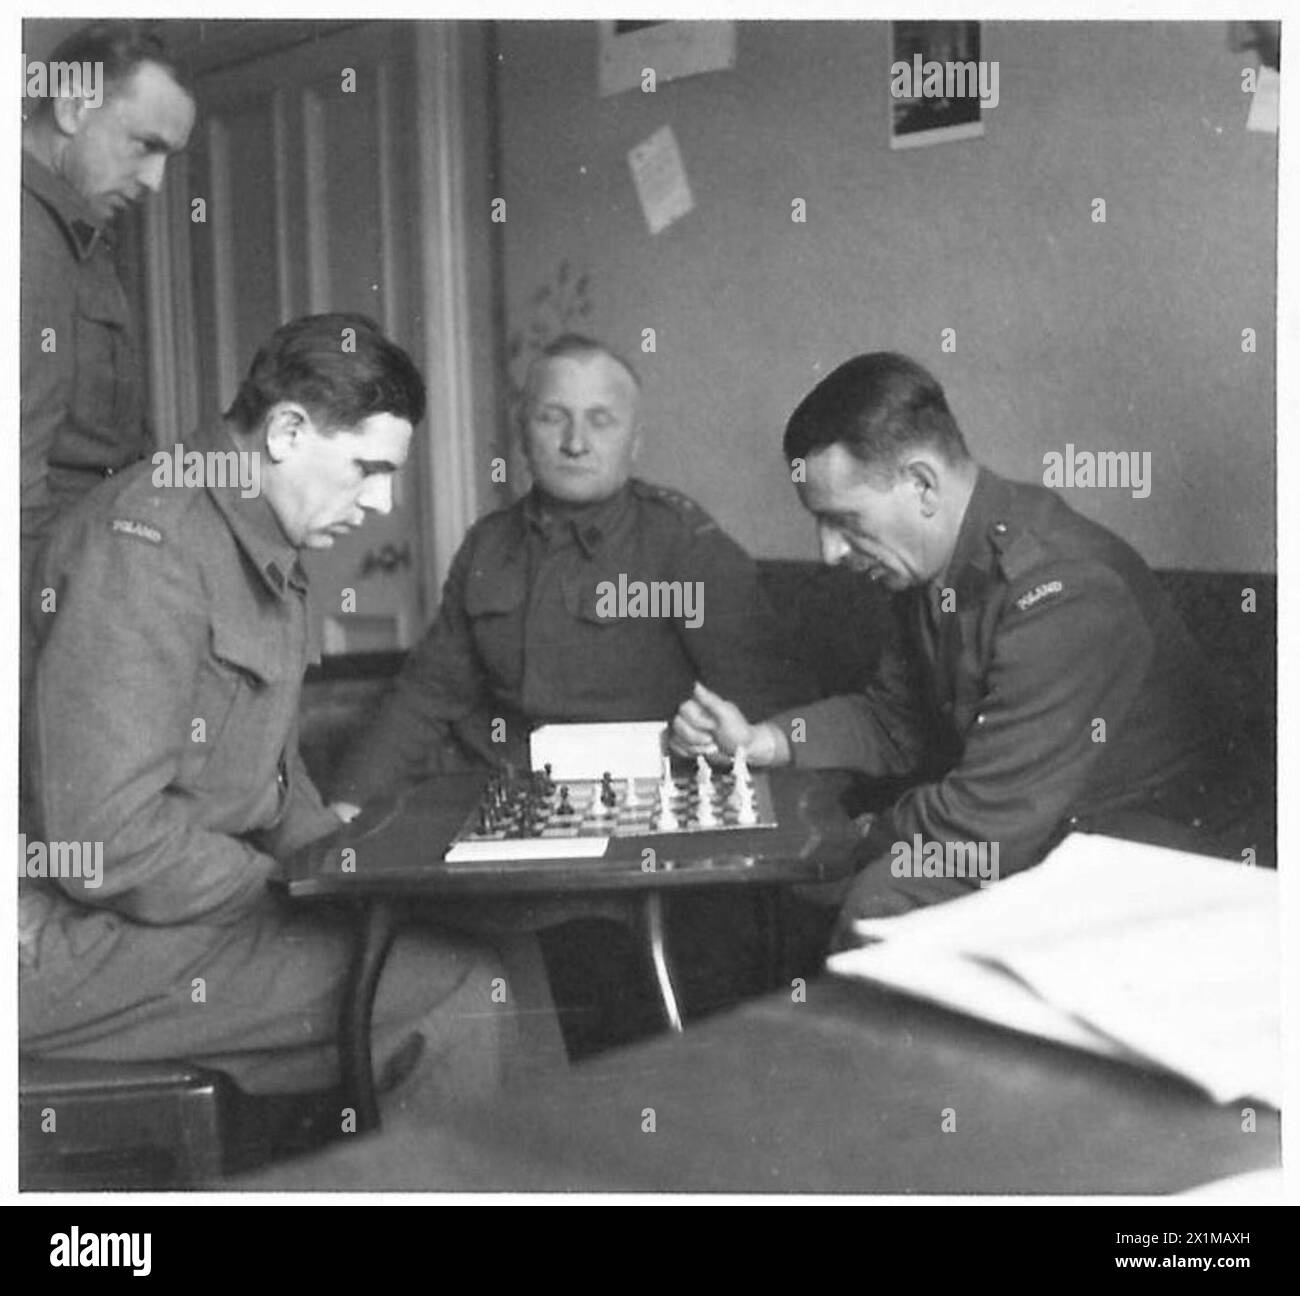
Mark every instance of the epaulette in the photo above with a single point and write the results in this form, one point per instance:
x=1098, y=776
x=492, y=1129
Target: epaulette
x=1019, y=552
x=685, y=507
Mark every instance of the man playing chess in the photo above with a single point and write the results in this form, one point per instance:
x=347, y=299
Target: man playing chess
x=1044, y=684
x=523, y=638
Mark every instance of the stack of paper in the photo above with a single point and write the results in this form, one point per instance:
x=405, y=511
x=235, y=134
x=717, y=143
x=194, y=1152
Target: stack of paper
x=1134, y=951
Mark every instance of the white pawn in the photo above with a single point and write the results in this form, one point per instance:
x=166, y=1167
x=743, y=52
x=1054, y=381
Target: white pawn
x=741, y=785
x=704, y=815
x=743, y=792
x=703, y=774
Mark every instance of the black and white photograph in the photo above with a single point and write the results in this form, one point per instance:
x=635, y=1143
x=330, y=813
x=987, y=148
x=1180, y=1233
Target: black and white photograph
x=936, y=88
x=592, y=624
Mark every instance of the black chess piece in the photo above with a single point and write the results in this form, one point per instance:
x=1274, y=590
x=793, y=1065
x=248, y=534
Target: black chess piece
x=566, y=806
x=608, y=797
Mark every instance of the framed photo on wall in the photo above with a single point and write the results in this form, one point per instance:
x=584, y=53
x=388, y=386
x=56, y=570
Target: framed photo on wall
x=937, y=83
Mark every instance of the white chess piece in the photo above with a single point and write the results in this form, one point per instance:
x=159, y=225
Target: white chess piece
x=743, y=791
x=705, y=815
x=740, y=780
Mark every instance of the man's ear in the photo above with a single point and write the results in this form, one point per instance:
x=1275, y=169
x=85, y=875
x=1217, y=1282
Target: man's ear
x=926, y=480
x=70, y=114
x=284, y=425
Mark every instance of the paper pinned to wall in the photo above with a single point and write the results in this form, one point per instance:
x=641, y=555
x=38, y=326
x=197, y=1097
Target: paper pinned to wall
x=660, y=178
x=1263, y=105
x=630, y=49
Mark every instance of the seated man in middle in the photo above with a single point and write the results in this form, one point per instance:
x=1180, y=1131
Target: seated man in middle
x=597, y=597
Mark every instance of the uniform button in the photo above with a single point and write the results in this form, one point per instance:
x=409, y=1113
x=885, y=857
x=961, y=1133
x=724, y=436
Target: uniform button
x=979, y=719
x=999, y=528
x=1073, y=821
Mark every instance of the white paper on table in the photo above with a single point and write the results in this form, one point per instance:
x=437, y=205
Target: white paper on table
x=629, y=749
x=660, y=179
x=1115, y=946
x=1264, y=103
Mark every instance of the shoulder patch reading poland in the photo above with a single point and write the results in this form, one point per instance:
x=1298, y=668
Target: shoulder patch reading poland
x=129, y=526
x=1035, y=595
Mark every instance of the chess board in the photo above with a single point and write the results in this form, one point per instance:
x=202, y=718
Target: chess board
x=588, y=830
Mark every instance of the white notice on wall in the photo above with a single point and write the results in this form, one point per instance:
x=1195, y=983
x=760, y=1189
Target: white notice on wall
x=660, y=178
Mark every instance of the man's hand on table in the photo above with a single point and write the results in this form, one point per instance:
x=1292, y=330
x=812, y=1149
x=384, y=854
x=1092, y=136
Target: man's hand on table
x=710, y=726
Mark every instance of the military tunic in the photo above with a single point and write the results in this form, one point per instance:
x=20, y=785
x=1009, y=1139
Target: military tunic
x=82, y=404
x=1041, y=684
x=164, y=718
x=539, y=624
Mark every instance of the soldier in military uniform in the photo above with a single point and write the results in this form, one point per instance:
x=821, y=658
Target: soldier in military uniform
x=83, y=162
x=1040, y=682
x=527, y=633
x=173, y=632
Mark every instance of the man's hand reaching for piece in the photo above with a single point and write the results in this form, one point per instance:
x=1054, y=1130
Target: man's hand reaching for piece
x=710, y=726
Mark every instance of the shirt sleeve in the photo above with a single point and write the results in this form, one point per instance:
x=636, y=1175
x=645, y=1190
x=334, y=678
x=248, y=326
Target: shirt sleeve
x=880, y=732
x=305, y=816
x=1065, y=675
x=735, y=641
x=440, y=683
x=114, y=703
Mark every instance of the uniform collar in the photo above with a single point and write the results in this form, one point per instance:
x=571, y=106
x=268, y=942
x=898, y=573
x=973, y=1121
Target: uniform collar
x=588, y=525
x=980, y=537
x=258, y=533
x=83, y=229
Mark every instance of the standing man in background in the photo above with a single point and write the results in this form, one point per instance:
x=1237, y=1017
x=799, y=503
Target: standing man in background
x=86, y=157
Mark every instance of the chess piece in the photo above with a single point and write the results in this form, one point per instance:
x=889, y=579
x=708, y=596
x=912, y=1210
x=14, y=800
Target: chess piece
x=743, y=792
x=566, y=806
x=667, y=788
x=608, y=797
x=703, y=774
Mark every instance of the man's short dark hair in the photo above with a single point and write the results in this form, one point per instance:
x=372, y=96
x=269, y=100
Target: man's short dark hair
x=340, y=367
x=119, y=47
x=878, y=407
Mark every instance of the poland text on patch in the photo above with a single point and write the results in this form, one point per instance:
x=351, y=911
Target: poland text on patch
x=1026, y=601
x=128, y=526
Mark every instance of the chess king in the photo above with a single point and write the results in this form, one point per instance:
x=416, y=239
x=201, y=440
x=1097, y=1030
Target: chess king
x=523, y=637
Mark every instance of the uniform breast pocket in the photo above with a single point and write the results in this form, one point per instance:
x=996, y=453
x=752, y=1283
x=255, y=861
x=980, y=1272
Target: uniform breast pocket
x=621, y=642
x=105, y=404
x=243, y=717
x=494, y=606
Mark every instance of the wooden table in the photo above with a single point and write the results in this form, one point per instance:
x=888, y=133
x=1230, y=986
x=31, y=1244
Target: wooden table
x=392, y=856
x=845, y=1092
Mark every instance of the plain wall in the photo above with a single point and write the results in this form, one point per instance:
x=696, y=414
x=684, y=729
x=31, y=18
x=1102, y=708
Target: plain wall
x=1120, y=336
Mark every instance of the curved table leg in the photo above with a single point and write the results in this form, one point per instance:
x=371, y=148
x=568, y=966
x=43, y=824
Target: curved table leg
x=653, y=914
x=375, y=926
